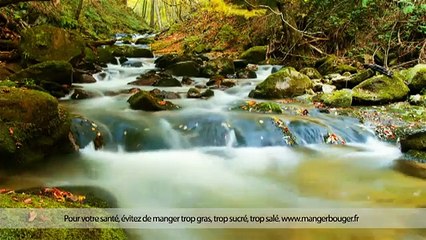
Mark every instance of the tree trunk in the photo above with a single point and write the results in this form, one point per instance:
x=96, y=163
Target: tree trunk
x=152, y=22
x=79, y=8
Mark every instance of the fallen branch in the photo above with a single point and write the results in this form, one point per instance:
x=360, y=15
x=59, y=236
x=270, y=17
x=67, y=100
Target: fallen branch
x=8, y=56
x=4, y=3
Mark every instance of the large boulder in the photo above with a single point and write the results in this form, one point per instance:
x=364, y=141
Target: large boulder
x=32, y=126
x=255, y=54
x=332, y=64
x=186, y=68
x=415, y=77
x=53, y=76
x=353, y=80
x=167, y=60
x=219, y=66
x=152, y=78
x=312, y=73
x=146, y=101
x=414, y=141
x=285, y=83
x=341, y=98
x=379, y=90
x=419, y=100
x=47, y=43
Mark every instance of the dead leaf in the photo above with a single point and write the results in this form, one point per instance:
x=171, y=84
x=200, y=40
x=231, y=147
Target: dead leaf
x=28, y=201
x=11, y=131
x=32, y=216
x=162, y=103
x=6, y=191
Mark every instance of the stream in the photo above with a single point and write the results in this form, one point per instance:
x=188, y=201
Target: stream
x=209, y=156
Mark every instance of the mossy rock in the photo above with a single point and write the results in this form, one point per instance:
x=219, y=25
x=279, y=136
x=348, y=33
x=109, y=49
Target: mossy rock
x=144, y=41
x=332, y=64
x=186, y=68
x=53, y=76
x=416, y=77
x=285, y=83
x=167, y=60
x=34, y=123
x=219, y=66
x=16, y=200
x=132, y=52
x=379, y=90
x=414, y=141
x=353, y=80
x=312, y=73
x=47, y=43
x=255, y=54
x=146, y=101
x=341, y=98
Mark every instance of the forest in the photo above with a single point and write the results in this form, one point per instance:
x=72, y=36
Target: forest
x=212, y=104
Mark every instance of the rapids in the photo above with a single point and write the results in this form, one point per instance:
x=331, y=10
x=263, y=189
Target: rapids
x=208, y=156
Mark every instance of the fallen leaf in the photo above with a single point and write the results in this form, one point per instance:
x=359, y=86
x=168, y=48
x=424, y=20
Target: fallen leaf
x=28, y=201
x=11, y=131
x=32, y=216
x=162, y=103
x=6, y=191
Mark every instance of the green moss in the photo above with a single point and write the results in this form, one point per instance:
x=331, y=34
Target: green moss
x=16, y=200
x=341, y=98
x=285, y=83
x=46, y=43
x=332, y=64
x=312, y=73
x=7, y=83
x=144, y=100
x=255, y=54
x=219, y=66
x=51, y=71
x=35, y=124
x=380, y=89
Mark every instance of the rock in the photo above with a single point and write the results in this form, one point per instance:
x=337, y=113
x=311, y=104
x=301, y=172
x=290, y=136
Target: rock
x=312, y=73
x=132, y=52
x=285, y=83
x=187, y=81
x=170, y=59
x=85, y=132
x=80, y=94
x=331, y=64
x=246, y=74
x=193, y=93
x=53, y=76
x=152, y=78
x=419, y=100
x=144, y=41
x=240, y=63
x=134, y=64
x=379, y=90
x=187, y=68
x=416, y=78
x=255, y=54
x=144, y=100
x=164, y=94
x=353, y=80
x=228, y=83
x=340, y=98
x=414, y=141
x=219, y=66
x=32, y=126
x=47, y=43
x=82, y=77
x=207, y=94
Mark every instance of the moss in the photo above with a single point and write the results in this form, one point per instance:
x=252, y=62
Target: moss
x=332, y=64
x=186, y=68
x=285, y=83
x=144, y=100
x=34, y=122
x=380, y=89
x=341, y=98
x=7, y=83
x=46, y=43
x=417, y=78
x=16, y=200
x=415, y=141
x=312, y=73
x=255, y=54
x=219, y=66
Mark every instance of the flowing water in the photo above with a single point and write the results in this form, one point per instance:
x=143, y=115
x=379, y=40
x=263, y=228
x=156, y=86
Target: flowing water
x=208, y=156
